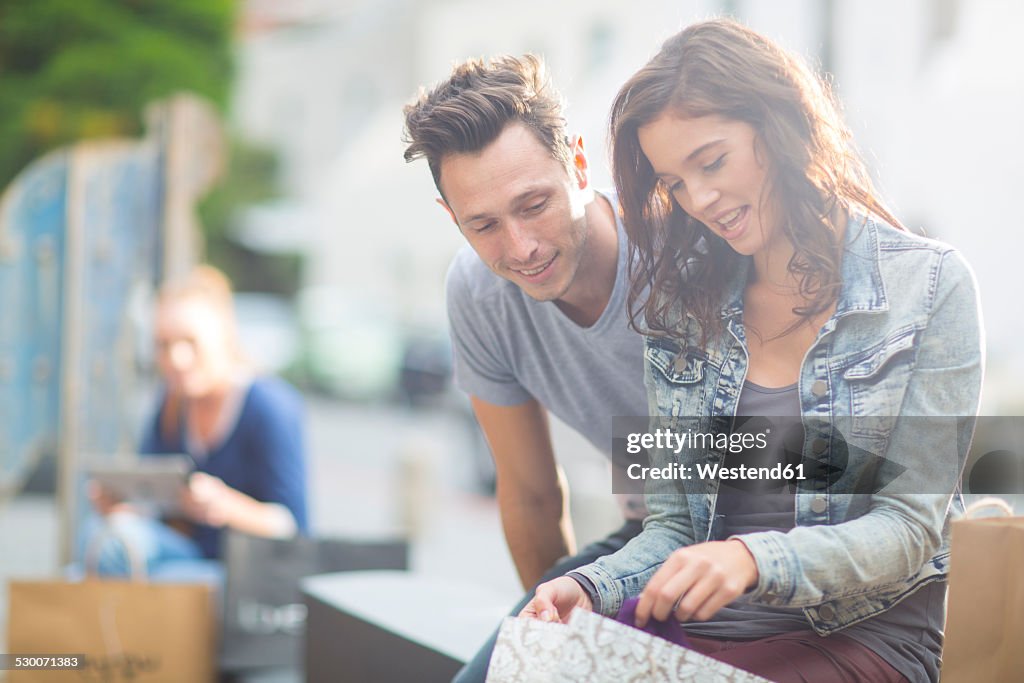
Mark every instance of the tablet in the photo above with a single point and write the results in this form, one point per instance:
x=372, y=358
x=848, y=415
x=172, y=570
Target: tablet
x=155, y=481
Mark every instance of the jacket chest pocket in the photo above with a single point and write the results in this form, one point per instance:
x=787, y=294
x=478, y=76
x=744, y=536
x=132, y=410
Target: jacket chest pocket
x=677, y=379
x=878, y=379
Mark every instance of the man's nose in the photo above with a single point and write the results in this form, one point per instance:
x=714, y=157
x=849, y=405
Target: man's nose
x=520, y=243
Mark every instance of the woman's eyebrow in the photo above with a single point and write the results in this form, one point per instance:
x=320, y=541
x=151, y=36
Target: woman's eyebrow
x=693, y=155
x=707, y=145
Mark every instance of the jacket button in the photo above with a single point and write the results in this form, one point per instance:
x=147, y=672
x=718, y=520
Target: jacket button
x=818, y=505
x=819, y=445
x=827, y=612
x=819, y=388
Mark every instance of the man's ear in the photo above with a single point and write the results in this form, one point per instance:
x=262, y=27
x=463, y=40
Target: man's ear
x=579, y=162
x=451, y=214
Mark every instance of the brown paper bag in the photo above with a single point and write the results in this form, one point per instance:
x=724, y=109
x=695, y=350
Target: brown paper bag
x=985, y=618
x=127, y=630
x=123, y=630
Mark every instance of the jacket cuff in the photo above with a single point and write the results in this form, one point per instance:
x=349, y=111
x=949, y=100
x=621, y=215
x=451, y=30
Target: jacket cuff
x=586, y=584
x=606, y=596
x=774, y=583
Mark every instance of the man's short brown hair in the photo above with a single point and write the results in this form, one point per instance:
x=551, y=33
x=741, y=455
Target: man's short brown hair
x=469, y=111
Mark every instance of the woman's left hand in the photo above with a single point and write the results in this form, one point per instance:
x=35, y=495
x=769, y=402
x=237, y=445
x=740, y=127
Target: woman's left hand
x=697, y=581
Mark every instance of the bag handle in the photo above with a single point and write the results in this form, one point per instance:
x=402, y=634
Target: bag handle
x=988, y=504
x=136, y=564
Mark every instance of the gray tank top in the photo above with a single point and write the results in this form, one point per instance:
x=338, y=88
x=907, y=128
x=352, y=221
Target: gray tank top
x=745, y=507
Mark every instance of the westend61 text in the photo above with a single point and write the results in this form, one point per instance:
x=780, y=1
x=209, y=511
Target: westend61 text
x=713, y=471
x=666, y=439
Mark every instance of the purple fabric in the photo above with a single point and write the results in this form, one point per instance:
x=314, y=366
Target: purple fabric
x=670, y=630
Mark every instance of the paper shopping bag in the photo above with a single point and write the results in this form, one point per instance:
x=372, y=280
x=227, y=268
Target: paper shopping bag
x=264, y=616
x=527, y=651
x=985, y=614
x=595, y=649
x=125, y=630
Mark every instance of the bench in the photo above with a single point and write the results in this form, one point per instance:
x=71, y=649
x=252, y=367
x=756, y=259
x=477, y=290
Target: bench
x=395, y=626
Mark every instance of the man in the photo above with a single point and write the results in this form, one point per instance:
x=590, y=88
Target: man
x=538, y=312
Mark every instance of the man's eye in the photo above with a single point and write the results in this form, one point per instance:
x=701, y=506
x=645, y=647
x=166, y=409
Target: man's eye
x=537, y=208
x=484, y=228
x=715, y=165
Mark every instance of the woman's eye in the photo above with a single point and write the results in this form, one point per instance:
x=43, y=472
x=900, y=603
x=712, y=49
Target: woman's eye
x=675, y=186
x=715, y=165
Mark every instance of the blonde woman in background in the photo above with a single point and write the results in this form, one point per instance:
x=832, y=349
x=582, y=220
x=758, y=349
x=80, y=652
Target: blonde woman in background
x=243, y=432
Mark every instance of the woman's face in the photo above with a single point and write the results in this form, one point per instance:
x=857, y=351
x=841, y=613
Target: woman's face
x=716, y=172
x=193, y=350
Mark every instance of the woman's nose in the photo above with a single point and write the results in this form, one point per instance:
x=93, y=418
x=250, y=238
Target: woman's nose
x=181, y=355
x=705, y=197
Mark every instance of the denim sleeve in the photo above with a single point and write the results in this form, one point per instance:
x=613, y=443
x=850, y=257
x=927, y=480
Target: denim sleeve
x=898, y=534
x=623, y=575
x=668, y=526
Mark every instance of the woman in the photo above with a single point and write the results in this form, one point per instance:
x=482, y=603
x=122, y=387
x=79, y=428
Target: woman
x=243, y=433
x=781, y=286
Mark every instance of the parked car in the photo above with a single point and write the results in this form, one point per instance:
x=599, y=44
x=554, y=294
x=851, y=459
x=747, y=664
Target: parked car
x=426, y=370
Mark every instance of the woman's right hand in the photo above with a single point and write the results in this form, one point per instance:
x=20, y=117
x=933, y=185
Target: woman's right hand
x=103, y=502
x=556, y=599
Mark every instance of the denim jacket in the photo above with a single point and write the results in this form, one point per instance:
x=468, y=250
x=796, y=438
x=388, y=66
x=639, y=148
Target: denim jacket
x=905, y=340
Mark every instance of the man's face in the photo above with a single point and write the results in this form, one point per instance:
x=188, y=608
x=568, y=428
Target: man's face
x=521, y=210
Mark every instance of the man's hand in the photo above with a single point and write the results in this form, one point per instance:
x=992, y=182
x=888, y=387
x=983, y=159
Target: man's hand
x=697, y=581
x=556, y=599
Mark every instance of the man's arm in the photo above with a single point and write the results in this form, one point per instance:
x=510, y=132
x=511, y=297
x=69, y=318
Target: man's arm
x=532, y=495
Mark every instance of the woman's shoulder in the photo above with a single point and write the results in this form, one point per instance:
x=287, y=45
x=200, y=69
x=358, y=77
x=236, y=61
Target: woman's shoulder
x=274, y=395
x=891, y=238
x=901, y=247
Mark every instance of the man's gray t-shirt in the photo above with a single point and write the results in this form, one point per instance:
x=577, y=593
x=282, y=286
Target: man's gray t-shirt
x=510, y=348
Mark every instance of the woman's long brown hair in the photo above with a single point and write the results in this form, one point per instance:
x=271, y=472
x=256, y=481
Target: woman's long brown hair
x=722, y=68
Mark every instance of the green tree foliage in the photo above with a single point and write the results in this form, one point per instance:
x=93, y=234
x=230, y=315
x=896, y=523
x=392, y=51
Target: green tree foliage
x=251, y=178
x=75, y=69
